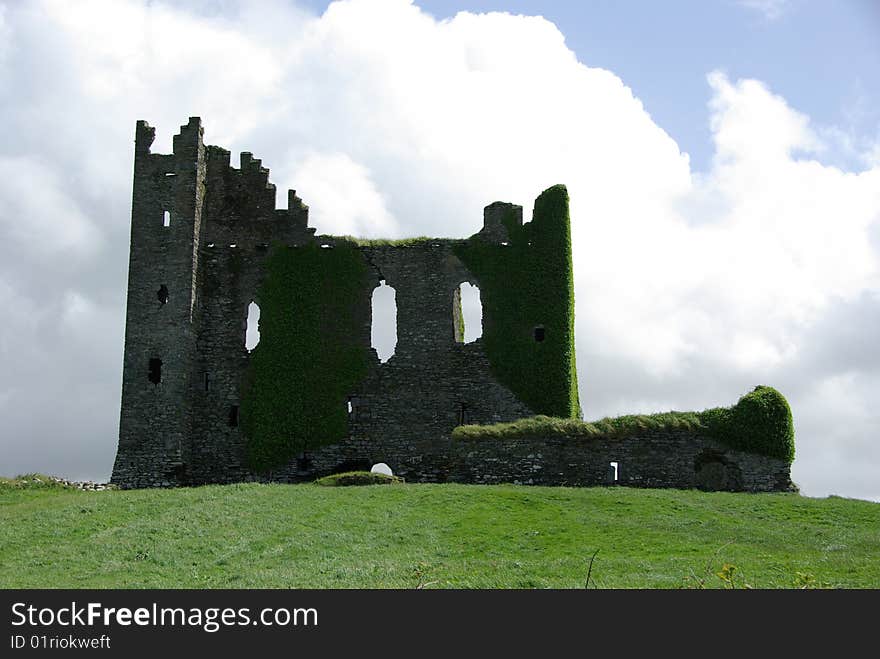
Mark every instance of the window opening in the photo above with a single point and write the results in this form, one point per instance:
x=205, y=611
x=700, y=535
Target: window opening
x=383, y=332
x=252, y=334
x=155, y=370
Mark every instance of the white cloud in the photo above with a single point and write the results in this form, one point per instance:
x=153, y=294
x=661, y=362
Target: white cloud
x=831, y=447
x=343, y=197
x=690, y=288
x=5, y=34
x=41, y=215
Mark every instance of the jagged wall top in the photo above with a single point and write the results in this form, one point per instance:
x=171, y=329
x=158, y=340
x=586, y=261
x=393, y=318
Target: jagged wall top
x=238, y=201
x=248, y=191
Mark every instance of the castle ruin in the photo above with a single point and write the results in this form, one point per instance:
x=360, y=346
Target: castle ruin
x=313, y=398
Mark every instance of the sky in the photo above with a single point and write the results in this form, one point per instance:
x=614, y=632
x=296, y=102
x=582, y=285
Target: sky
x=722, y=158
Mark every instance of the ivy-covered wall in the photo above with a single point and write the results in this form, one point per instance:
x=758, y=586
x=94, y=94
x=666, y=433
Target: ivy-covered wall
x=760, y=423
x=310, y=354
x=527, y=289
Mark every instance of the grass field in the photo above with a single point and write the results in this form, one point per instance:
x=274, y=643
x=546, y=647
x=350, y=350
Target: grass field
x=433, y=536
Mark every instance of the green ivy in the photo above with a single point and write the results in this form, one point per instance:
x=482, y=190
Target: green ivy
x=527, y=284
x=308, y=358
x=760, y=422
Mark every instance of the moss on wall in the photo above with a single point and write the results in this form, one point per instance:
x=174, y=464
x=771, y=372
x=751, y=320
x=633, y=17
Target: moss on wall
x=759, y=423
x=528, y=285
x=308, y=358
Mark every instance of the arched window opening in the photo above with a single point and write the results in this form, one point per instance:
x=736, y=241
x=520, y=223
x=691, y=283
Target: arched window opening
x=540, y=333
x=252, y=335
x=162, y=294
x=166, y=219
x=467, y=313
x=383, y=333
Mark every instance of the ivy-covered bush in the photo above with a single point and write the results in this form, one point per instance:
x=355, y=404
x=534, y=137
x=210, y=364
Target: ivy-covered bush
x=524, y=285
x=760, y=422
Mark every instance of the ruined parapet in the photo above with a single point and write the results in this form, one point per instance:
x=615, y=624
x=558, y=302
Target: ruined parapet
x=296, y=214
x=242, y=205
x=500, y=219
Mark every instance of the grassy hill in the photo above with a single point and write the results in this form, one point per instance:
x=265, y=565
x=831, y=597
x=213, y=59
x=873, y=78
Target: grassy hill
x=437, y=536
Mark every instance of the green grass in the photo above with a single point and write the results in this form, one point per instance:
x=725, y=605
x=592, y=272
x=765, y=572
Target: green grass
x=438, y=536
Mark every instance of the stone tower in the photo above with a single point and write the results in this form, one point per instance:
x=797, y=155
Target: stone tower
x=160, y=336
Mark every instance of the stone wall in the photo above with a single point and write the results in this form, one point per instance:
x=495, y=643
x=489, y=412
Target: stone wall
x=654, y=458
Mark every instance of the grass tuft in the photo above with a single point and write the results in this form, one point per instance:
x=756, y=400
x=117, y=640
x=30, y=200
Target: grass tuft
x=33, y=482
x=357, y=478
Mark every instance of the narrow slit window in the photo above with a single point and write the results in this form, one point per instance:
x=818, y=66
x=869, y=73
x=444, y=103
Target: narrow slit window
x=155, y=373
x=166, y=219
x=464, y=414
x=207, y=382
x=233, y=416
x=613, y=476
x=162, y=294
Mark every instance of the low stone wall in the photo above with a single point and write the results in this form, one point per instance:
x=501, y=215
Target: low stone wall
x=652, y=458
